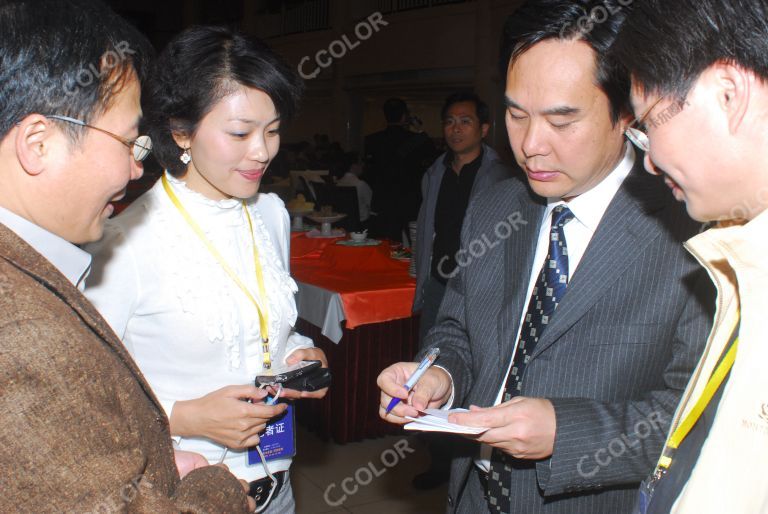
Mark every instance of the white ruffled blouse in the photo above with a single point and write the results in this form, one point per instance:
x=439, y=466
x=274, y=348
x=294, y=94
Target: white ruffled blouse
x=183, y=319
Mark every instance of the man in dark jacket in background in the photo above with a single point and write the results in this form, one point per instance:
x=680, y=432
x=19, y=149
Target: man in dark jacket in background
x=395, y=160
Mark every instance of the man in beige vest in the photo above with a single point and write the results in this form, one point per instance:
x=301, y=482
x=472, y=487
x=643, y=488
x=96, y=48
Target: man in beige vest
x=700, y=93
x=81, y=431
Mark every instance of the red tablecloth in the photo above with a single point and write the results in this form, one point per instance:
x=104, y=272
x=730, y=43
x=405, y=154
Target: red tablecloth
x=373, y=286
x=376, y=292
x=350, y=410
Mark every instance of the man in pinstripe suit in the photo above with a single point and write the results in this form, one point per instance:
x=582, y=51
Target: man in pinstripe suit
x=590, y=386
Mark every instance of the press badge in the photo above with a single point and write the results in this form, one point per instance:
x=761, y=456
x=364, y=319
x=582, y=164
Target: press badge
x=278, y=441
x=643, y=499
x=645, y=494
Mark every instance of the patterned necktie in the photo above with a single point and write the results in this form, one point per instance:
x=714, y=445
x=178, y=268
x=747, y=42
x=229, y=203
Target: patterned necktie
x=546, y=295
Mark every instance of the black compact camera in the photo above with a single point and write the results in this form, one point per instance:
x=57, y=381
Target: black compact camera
x=313, y=381
x=303, y=376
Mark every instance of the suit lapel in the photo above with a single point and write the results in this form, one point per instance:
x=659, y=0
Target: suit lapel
x=518, y=259
x=29, y=261
x=482, y=174
x=627, y=227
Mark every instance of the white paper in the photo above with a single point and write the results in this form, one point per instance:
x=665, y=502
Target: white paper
x=436, y=420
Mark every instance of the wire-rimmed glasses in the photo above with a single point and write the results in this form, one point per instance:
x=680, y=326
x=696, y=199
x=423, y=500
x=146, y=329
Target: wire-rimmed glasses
x=140, y=147
x=637, y=133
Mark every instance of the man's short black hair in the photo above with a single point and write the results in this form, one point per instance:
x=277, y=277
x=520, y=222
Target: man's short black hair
x=596, y=22
x=196, y=70
x=394, y=110
x=65, y=57
x=666, y=45
x=481, y=108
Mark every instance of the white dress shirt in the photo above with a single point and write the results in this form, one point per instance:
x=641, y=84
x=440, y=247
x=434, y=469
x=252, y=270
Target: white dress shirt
x=70, y=260
x=588, y=209
x=189, y=327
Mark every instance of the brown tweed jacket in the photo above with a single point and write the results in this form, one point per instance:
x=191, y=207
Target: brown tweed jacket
x=80, y=429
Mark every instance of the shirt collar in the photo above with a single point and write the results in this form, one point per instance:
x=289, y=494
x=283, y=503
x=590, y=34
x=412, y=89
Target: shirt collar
x=470, y=166
x=588, y=208
x=742, y=243
x=70, y=260
x=189, y=196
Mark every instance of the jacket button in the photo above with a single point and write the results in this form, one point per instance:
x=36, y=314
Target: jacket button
x=450, y=500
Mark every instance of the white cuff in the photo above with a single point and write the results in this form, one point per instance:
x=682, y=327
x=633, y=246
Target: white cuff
x=167, y=406
x=447, y=405
x=296, y=342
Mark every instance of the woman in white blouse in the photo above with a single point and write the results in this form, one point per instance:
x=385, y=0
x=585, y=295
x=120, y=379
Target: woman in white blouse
x=196, y=270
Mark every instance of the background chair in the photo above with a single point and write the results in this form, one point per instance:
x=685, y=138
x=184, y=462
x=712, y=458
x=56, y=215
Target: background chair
x=343, y=200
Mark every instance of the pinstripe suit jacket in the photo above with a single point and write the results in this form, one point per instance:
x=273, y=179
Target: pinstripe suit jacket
x=615, y=357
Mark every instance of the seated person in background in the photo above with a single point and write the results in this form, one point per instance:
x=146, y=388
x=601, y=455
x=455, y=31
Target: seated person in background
x=81, y=430
x=279, y=169
x=194, y=276
x=351, y=169
x=302, y=156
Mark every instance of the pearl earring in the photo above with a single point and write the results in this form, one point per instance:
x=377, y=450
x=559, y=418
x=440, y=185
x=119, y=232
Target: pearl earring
x=185, y=157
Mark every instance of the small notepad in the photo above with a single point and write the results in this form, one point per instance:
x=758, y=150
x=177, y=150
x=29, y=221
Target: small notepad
x=436, y=420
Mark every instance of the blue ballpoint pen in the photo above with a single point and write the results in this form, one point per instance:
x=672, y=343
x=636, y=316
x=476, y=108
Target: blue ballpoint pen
x=424, y=365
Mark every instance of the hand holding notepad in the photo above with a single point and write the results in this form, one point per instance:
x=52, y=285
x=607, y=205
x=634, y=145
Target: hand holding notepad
x=436, y=420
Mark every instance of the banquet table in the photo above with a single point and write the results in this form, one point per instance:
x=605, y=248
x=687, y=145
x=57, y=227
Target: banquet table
x=355, y=303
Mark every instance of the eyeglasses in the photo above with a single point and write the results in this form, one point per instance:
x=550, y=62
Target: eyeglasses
x=638, y=136
x=140, y=147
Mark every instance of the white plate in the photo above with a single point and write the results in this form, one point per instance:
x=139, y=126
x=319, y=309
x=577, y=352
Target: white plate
x=367, y=242
x=326, y=219
x=314, y=233
x=302, y=212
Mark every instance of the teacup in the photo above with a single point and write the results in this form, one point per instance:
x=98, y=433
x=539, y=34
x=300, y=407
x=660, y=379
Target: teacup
x=358, y=237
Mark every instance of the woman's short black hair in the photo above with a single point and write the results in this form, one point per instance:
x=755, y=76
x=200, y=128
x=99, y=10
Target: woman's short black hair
x=666, y=45
x=596, y=22
x=196, y=70
x=65, y=57
x=481, y=108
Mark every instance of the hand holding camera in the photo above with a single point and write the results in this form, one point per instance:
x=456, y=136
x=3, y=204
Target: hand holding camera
x=305, y=376
x=224, y=417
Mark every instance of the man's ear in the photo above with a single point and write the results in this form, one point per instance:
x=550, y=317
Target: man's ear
x=484, y=129
x=34, y=142
x=624, y=121
x=733, y=86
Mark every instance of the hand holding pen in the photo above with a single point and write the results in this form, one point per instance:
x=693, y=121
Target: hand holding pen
x=424, y=365
x=399, y=381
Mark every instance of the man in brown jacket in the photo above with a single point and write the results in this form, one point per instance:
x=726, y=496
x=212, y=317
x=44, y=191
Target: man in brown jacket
x=80, y=430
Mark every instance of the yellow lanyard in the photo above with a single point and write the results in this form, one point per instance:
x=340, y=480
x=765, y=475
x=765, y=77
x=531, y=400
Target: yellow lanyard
x=713, y=384
x=263, y=319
